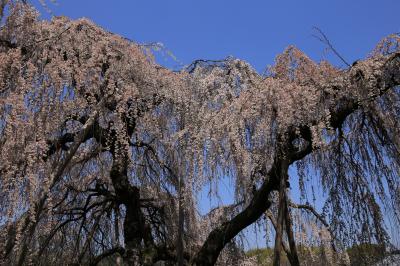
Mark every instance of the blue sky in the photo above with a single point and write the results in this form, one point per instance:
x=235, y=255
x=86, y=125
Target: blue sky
x=254, y=30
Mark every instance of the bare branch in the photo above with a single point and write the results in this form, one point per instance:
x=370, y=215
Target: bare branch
x=324, y=39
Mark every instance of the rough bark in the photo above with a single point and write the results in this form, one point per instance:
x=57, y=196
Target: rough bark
x=281, y=215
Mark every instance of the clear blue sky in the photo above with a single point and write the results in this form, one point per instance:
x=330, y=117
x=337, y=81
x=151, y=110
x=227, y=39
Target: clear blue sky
x=253, y=30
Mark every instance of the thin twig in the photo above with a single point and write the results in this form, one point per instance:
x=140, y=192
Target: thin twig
x=324, y=39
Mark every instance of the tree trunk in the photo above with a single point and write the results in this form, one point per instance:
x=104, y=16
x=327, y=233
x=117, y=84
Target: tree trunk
x=129, y=196
x=223, y=234
x=293, y=258
x=281, y=214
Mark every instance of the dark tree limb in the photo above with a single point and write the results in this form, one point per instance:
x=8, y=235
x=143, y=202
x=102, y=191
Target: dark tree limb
x=293, y=257
x=53, y=179
x=281, y=217
x=318, y=216
x=273, y=222
x=339, y=111
x=324, y=39
x=223, y=234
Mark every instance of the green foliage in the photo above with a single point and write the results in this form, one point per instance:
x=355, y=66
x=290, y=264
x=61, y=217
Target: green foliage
x=264, y=256
x=366, y=254
x=360, y=255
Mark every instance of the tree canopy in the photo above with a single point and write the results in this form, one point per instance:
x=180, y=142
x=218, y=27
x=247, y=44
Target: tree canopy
x=103, y=151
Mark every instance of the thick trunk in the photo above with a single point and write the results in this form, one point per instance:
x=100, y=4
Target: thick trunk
x=129, y=196
x=223, y=234
x=281, y=214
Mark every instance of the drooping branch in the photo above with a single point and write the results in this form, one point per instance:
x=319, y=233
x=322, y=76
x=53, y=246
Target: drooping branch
x=318, y=216
x=341, y=108
x=310, y=209
x=137, y=85
x=53, y=179
x=389, y=78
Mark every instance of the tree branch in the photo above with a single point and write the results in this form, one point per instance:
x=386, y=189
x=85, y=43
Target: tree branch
x=224, y=233
x=294, y=257
x=340, y=110
x=54, y=178
x=273, y=222
x=318, y=216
